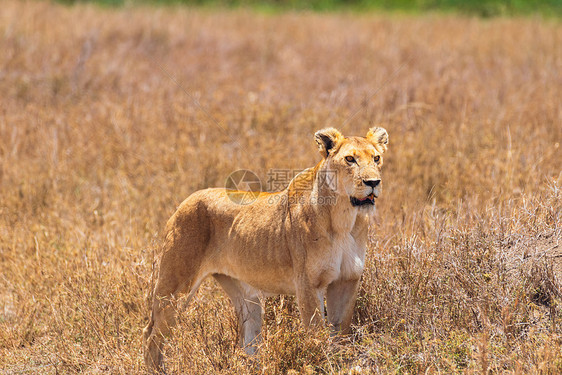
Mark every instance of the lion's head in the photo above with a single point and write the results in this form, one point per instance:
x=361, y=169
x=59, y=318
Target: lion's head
x=353, y=164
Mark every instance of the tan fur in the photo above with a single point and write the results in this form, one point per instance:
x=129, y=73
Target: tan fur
x=308, y=240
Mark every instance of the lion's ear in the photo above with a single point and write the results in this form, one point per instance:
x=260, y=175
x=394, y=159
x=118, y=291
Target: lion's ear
x=327, y=139
x=378, y=137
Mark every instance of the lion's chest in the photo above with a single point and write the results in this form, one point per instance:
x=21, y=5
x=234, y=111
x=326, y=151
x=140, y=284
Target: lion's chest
x=343, y=259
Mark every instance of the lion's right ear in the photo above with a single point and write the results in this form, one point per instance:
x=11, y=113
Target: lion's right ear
x=378, y=137
x=327, y=139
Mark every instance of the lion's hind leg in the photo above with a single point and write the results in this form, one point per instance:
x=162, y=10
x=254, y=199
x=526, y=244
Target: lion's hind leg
x=162, y=320
x=248, y=311
x=170, y=285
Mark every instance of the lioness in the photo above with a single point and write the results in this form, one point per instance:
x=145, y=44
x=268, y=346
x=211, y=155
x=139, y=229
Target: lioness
x=308, y=240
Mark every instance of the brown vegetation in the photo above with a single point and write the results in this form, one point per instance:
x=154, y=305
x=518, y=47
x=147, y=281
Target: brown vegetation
x=98, y=146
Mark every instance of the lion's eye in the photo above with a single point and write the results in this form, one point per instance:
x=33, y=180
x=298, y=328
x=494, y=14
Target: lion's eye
x=377, y=158
x=350, y=159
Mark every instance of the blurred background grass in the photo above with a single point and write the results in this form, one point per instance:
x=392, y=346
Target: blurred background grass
x=482, y=8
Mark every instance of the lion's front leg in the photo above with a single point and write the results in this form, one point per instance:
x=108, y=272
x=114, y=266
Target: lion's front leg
x=340, y=300
x=310, y=301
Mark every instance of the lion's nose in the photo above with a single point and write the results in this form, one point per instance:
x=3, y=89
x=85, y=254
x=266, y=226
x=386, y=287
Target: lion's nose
x=372, y=183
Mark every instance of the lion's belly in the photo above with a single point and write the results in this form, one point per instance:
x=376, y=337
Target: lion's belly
x=268, y=281
x=266, y=277
x=266, y=267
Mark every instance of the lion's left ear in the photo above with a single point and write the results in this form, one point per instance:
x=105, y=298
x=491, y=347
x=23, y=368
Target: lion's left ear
x=378, y=137
x=327, y=140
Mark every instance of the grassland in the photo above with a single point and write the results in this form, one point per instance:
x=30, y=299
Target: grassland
x=98, y=146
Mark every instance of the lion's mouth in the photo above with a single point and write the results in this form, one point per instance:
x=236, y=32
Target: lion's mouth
x=369, y=199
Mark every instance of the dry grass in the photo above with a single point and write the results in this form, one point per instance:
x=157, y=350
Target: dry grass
x=98, y=146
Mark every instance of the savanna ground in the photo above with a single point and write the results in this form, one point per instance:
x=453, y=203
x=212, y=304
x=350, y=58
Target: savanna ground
x=98, y=146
